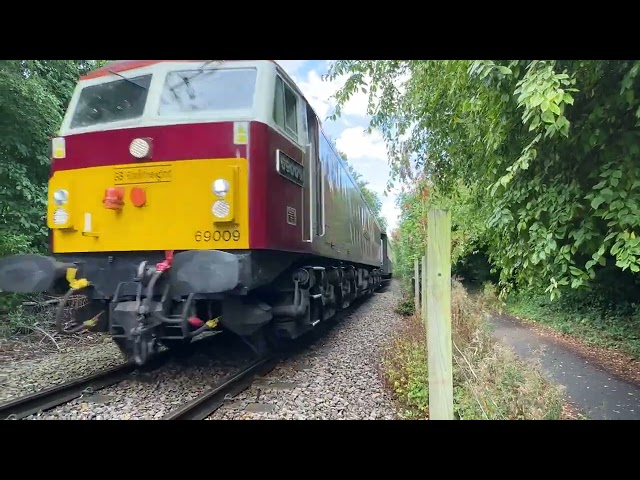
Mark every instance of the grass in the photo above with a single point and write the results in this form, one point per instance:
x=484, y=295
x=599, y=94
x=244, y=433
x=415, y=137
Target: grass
x=600, y=323
x=490, y=382
x=24, y=323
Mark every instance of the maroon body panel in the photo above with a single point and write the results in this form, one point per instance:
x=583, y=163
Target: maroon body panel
x=271, y=193
x=170, y=143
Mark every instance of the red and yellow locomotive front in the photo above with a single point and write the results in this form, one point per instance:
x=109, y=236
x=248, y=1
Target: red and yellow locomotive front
x=148, y=203
x=137, y=171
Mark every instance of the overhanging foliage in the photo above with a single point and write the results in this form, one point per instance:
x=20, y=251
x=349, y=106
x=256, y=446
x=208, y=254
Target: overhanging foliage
x=543, y=153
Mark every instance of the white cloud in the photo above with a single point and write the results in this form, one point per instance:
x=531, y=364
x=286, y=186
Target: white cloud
x=318, y=93
x=357, y=143
x=391, y=212
x=357, y=103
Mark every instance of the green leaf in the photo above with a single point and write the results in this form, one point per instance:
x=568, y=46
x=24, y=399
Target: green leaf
x=548, y=117
x=575, y=271
x=554, y=108
x=616, y=247
x=535, y=123
x=596, y=202
x=536, y=100
x=504, y=70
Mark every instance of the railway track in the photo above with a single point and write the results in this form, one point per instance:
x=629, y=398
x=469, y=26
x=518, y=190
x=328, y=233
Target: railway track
x=197, y=409
x=207, y=403
x=60, y=394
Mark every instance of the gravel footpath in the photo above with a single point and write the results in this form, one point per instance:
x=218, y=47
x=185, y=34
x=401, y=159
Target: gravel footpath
x=151, y=395
x=336, y=378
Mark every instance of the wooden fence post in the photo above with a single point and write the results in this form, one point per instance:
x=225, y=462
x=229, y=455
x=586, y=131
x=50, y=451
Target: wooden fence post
x=438, y=315
x=423, y=312
x=416, y=285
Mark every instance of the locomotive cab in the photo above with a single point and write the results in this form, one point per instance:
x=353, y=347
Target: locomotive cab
x=165, y=145
x=195, y=196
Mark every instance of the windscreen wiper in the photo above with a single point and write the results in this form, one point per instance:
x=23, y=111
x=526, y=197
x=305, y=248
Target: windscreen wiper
x=186, y=80
x=127, y=79
x=201, y=70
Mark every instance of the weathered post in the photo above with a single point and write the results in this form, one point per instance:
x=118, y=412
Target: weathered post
x=423, y=276
x=416, y=285
x=438, y=315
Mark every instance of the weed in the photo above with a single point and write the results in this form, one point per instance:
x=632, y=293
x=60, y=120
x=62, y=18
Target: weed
x=406, y=307
x=490, y=382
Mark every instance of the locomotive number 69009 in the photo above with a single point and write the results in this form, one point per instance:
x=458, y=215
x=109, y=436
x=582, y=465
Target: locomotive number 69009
x=217, y=235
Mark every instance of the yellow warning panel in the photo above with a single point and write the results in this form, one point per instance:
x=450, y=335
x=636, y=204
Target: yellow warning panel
x=178, y=213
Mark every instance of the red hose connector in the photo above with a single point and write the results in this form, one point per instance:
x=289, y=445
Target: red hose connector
x=166, y=264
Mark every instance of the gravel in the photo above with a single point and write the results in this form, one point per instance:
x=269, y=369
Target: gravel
x=151, y=395
x=337, y=378
x=22, y=377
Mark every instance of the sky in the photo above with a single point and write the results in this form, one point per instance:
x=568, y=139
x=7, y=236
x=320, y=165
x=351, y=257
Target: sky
x=366, y=152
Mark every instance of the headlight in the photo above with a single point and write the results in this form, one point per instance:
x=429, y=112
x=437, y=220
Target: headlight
x=60, y=217
x=60, y=197
x=140, y=148
x=220, y=187
x=221, y=209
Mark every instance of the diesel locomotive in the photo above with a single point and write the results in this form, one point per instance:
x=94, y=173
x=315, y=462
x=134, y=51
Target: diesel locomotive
x=192, y=196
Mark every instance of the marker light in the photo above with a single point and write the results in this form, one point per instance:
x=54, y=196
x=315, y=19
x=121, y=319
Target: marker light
x=140, y=148
x=220, y=187
x=58, y=148
x=138, y=197
x=60, y=197
x=60, y=216
x=221, y=209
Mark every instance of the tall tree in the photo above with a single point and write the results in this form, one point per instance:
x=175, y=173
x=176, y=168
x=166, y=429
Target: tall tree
x=546, y=150
x=33, y=97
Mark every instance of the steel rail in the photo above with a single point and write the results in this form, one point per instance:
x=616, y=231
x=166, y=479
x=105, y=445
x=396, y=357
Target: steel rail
x=51, y=397
x=204, y=405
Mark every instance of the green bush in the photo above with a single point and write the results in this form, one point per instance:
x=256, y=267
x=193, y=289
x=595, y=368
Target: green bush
x=10, y=244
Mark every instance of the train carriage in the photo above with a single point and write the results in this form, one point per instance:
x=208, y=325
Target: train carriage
x=188, y=196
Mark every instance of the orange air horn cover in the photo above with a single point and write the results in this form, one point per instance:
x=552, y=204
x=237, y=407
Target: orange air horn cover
x=113, y=198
